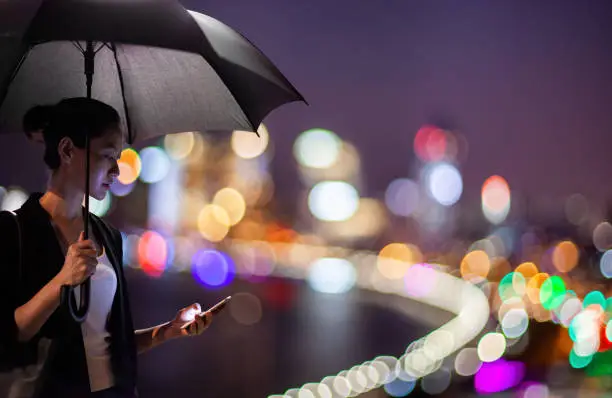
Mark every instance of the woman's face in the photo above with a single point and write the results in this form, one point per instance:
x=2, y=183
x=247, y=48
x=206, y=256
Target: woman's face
x=105, y=152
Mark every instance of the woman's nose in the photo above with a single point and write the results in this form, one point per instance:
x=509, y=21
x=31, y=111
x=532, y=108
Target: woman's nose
x=114, y=171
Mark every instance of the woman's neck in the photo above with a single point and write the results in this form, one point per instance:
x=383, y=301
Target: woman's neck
x=62, y=202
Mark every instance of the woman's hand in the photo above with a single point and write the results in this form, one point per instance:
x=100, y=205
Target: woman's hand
x=80, y=264
x=190, y=321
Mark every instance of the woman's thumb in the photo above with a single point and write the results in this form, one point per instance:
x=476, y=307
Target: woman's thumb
x=82, y=236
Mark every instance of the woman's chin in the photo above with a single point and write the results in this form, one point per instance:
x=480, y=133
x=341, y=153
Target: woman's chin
x=100, y=194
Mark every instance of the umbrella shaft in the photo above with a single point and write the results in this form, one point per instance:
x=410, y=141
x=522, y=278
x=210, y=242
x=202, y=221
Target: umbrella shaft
x=89, y=57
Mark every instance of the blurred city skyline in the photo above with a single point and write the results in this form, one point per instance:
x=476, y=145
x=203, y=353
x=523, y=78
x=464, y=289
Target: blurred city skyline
x=524, y=83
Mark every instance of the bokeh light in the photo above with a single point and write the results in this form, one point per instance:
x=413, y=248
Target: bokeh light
x=436, y=382
x=399, y=388
x=120, y=190
x=419, y=280
x=565, y=256
x=233, y=202
x=395, y=258
x=249, y=145
x=512, y=285
x=444, y=183
x=430, y=143
x=13, y=199
x=605, y=264
x=495, y=199
x=475, y=264
x=552, y=292
x=596, y=298
x=332, y=275
x=333, y=200
x=515, y=322
x=576, y=209
x=245, y=308
x=317, y=148
x=402, y=197
x=498, y=376
x=467, y=362
x=491, y=347
x=212, y=268
x=602, y=236
x=527, y=269
x=533, y=287
x=155, y=164
x=152, y=253
x=179, y=146
x=213, y=223
x=130, y=166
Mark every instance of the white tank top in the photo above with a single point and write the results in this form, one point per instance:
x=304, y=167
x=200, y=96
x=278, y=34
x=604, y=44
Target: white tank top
x=95, y=333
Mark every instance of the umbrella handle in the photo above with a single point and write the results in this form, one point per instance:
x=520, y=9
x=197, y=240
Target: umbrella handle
x=77, y=314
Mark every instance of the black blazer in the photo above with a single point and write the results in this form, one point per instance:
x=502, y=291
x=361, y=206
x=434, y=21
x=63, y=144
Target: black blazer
x=42, y=259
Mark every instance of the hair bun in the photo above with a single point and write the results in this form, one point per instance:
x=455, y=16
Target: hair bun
x=37, y=118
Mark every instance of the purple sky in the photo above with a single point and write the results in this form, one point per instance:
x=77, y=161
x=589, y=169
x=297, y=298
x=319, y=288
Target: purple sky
x=528, y=83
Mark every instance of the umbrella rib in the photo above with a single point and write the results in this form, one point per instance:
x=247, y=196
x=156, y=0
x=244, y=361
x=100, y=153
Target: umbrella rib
x=121, y=83
x=78, y=46
x=5, y=87
x=102, y=45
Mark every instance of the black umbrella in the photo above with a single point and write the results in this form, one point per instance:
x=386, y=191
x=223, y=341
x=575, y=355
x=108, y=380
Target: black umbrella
x=164, y=68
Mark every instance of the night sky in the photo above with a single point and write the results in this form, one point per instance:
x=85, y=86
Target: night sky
x=528, y=83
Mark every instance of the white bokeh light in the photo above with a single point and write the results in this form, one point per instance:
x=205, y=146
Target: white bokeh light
x=155, y=164
x=332, y=275
x=333, y=201
x=249, y=145
x=13, y=199
x=402, y=196
x=444, y=183
x=317, y=148
x=605, y=264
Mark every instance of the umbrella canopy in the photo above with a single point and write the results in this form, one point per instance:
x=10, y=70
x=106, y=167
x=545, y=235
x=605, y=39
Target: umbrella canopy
x=164, y=68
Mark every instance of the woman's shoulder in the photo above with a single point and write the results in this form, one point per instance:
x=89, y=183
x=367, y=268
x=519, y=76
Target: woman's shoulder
x=8, y=221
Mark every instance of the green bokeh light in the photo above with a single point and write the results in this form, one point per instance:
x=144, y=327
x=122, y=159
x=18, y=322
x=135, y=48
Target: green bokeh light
x=579, y=362
x=552, y=292
x=507, y=286
x=594, y=297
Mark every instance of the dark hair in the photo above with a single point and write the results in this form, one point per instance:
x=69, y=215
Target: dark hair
x=73, y=118
x=36, y=119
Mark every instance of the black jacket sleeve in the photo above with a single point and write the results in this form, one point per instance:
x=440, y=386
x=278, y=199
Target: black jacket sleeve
x=9, y=263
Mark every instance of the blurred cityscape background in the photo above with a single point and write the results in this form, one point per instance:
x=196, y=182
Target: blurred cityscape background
x=436, y=222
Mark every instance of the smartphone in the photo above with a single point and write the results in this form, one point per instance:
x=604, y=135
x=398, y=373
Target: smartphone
x=215, y=309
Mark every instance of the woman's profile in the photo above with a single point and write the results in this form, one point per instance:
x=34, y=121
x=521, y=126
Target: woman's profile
x=42, y=248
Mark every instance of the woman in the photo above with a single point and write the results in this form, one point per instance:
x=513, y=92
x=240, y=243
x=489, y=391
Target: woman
x=54, y=356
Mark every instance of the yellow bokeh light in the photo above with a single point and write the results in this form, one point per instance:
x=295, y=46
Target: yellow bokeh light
x=534, y=285
x=130, y=166
x=475, y=263
x=213, y=223
x=565, y=256
x=369, y=220
x=248, y=145
x=233, y=203
x=528, y=270
x=179, y=146
x=395, y=259
x=198, y=151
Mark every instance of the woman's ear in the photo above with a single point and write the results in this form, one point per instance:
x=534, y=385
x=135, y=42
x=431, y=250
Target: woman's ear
x=65, y=150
